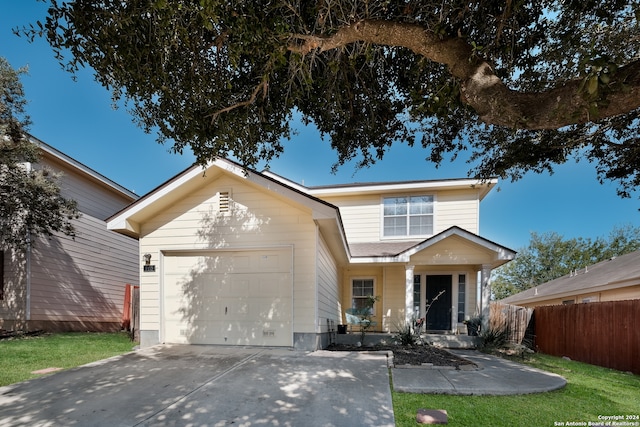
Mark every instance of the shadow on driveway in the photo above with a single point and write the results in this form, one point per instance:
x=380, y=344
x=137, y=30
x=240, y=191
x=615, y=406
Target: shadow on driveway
x=208, y=385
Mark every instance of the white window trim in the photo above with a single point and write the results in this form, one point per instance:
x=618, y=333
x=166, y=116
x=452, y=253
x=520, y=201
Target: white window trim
x=408, y=236
x=351, y=279
x=469, y=287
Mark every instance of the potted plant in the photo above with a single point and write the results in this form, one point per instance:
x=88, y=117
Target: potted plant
x=473, y=325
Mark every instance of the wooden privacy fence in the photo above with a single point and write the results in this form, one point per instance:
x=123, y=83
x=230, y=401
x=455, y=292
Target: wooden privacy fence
x=599, y=333
x=511, y=319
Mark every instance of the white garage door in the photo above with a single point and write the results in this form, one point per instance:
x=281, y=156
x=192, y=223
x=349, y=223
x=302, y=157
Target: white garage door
x=233, y=298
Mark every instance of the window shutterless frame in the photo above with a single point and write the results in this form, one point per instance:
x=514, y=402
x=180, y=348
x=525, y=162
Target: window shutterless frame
x=408, y=216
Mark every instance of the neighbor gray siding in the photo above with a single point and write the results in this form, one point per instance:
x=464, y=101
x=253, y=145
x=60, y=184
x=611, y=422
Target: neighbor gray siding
x=82, y=279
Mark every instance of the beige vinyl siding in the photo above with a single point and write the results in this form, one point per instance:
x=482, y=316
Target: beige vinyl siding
x=453, y=251
x=93, y=198
x=362, y=215
x=82, y=279
x=328, y=283
x=457, y=208
x=257, y=219
x=393, y=298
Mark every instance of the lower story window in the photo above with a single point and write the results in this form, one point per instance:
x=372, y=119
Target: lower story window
x=362, y=290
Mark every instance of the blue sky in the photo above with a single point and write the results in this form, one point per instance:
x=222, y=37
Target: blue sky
x=77, y=118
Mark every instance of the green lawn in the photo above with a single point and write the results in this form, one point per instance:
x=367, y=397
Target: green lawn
x=591, y=391
x=20, y=356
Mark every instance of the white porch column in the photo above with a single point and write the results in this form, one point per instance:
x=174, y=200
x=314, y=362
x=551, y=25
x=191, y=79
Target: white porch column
x=408, y=296
x=485, y=275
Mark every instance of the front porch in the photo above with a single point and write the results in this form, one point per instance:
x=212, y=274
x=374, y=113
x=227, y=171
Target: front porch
x=387, y=338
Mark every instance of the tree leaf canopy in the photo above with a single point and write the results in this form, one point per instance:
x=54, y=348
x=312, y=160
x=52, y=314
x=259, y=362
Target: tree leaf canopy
x=522, y=85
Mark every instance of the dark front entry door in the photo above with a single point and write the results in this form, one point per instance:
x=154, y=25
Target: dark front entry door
x=439, y=315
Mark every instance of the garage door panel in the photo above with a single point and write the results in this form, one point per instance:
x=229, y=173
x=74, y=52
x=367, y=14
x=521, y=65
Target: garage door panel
x=229, y=298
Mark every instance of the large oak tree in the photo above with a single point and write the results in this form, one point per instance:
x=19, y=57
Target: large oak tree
x=522, y=85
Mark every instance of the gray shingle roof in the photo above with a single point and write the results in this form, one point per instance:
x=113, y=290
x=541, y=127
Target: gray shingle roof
x=619, y=270
x=373, y=249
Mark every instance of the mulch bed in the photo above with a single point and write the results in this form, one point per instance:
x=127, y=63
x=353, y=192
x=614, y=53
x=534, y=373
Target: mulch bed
x=410, y=355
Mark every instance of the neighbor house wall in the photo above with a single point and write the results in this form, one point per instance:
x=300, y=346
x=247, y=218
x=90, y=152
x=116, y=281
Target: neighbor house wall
x=597, y=295
x=79, y=283
x=75, y=283
x=94, y=198
x=256, y=219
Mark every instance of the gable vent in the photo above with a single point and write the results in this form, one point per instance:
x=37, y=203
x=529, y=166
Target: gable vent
x=224, y=201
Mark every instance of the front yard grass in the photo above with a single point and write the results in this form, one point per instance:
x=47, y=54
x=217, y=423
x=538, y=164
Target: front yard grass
x=21, y=356
x=591, y=391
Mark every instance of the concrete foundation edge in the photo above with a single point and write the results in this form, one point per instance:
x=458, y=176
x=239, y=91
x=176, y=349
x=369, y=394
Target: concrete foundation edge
x=306, y=341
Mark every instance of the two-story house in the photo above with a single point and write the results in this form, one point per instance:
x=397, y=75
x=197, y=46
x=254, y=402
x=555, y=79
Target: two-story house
x=72, y=284
x=245, y=258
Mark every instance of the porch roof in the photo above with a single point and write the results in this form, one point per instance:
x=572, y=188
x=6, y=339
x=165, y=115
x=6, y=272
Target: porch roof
x=389, y=252
x=381, y=249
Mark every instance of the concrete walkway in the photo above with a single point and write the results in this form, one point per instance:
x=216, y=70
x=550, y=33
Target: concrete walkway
x=494, y=376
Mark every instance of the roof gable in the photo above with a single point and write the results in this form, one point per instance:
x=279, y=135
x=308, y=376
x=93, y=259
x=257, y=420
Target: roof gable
x=51, y=153
x=128, y=221
x=404, y=251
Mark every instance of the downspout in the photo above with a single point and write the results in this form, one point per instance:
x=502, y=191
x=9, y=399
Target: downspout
x=28, y=168
x=28, y=267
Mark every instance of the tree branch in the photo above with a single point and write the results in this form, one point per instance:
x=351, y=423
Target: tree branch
x=262, y=87
x=482, y=89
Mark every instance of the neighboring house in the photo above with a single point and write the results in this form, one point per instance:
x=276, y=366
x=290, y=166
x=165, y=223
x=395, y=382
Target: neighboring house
x=611, y=280
x=72, y=284
x=234, y=256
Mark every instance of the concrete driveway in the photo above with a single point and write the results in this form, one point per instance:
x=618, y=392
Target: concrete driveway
x=208, y=386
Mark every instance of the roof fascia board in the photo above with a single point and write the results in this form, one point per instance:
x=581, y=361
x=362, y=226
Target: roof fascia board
x=155, y=195
x=125, y=226
x=402, y=186
x=285, y=181
x=82, y=167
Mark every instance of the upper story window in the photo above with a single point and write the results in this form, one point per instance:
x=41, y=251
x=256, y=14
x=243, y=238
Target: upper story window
x=408, y=216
